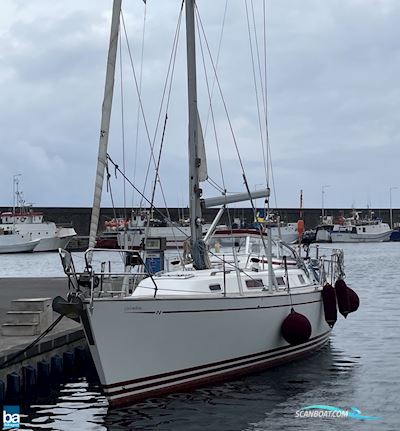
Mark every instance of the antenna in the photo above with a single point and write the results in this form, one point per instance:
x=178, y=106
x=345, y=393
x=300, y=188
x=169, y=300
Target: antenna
x=17, y=196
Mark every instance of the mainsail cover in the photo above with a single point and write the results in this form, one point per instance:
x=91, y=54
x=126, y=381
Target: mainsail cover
x=201, y=151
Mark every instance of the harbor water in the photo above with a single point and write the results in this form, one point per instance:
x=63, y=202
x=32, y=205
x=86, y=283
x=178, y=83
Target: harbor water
x=358, y=369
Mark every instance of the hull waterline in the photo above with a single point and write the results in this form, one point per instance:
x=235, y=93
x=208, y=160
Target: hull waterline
x=350, y=237
x=18, y=247
x=53, y=243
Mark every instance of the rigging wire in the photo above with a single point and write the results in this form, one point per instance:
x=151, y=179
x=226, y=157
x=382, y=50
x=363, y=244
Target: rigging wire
x=170, y=72
x=200, y=26
x=211, y=110
x=222, y=97
x=151, y=142
x=109, y=189
x=269, y=155
x=10, y=360
x=198, y=17
x=170, y=76
x=166, y=94
x=140, y=100
x=215, y=185
x=138, y=109
x=117, y=168
x=266, y=153
x=216, y=63
x=256, y=88
x=140, y=106
x=122, y=120
x=265, y=98
x=166, y=91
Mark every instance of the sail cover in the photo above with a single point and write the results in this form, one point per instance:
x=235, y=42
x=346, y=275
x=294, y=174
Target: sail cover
x=201, y=151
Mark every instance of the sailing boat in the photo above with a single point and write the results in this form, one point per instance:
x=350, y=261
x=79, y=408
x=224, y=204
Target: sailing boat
x=210, y=320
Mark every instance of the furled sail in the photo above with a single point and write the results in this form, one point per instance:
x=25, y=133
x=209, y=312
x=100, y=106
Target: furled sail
x=201, y=151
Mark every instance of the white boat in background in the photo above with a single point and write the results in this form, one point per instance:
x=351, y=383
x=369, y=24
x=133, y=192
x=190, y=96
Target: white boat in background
x=130, y=233
x=287, y=232
x=24, y=230
x=356, y=229
x=324, y=229
x=28, y=227
x=250, y=305
x=14, y=242
x=133, y=237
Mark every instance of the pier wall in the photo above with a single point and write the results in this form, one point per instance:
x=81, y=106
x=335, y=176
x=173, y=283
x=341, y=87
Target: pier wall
x=79, y=217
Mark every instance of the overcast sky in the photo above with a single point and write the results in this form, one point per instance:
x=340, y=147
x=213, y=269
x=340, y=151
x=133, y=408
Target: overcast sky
x=333, y=99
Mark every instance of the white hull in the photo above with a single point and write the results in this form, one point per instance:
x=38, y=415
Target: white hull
x=54, y=243
x=323, y=236
x=360, y=237
x=43, y=236
x=15, y=245
x=288, y=234
x=356, y=230
x=176, y=343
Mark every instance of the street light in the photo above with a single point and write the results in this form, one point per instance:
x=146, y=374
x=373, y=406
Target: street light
x=323, y=195
x=391, y=211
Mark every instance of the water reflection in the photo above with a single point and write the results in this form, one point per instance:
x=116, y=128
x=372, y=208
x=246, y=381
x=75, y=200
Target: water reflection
x=246, y=404
x=73, y=406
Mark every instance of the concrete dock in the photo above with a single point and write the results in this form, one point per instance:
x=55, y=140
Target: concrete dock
x=15, y=288
x=62, y=340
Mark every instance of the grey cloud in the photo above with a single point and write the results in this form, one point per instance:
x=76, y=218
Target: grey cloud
x=332, y=84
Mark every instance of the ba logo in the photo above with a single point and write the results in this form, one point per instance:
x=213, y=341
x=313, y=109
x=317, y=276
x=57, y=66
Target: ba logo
x=10, y=417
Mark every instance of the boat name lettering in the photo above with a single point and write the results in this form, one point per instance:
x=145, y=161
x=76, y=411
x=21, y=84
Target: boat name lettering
x=132, y=308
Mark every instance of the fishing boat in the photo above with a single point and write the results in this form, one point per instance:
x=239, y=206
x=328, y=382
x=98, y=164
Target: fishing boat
x=29, y=228
x=130, y=233
x=359, y=229
x=12, y=241
x=238, y=302
x=24, y=229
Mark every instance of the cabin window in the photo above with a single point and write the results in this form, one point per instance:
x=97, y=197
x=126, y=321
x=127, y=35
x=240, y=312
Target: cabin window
x=280, y=281
x=214, y=287
x=254, y=283
x=301, y=279
x=363, y=229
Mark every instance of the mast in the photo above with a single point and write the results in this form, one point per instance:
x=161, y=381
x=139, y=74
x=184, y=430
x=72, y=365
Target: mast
x=105, y=121
x=194, y=159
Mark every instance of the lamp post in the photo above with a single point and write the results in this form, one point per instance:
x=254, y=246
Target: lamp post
x=391, y=211
x=323, y=196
